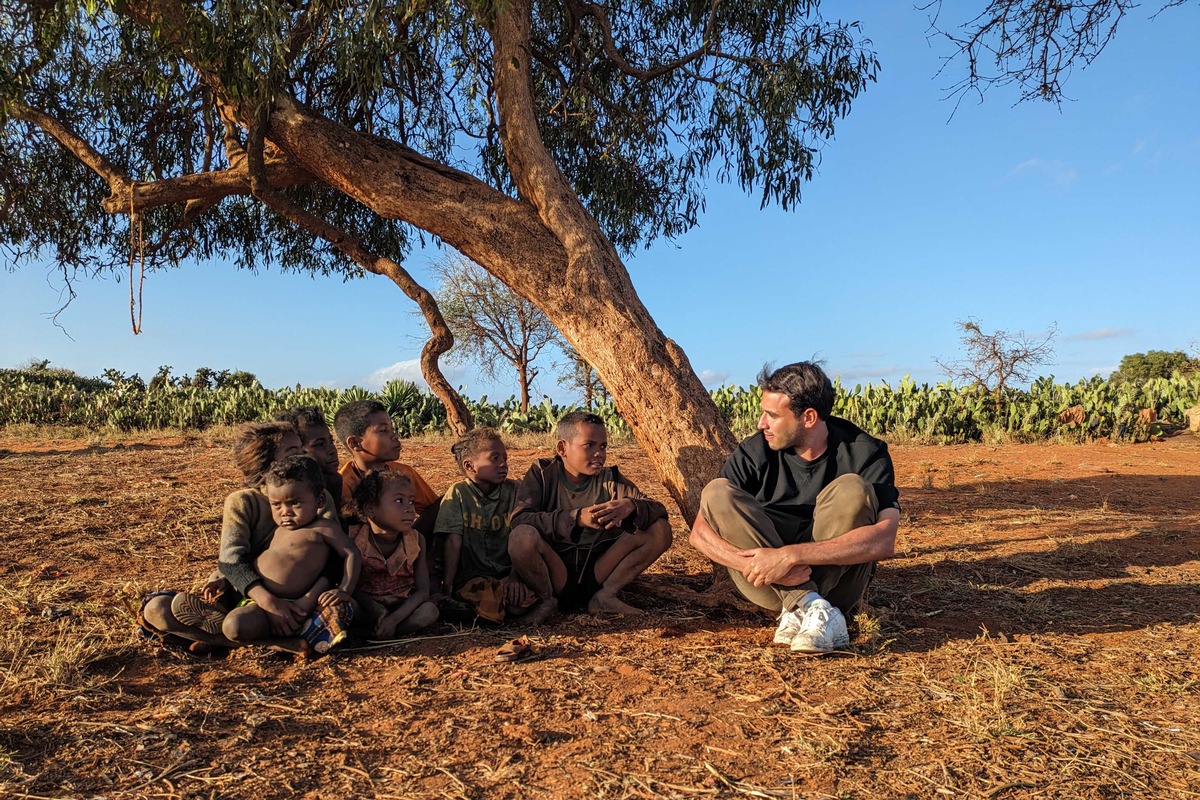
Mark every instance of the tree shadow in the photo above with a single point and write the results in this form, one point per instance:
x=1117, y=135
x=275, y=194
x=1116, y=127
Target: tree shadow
x=1071, y=610
x=1075, y=578
x=1111, y=492
x=95, y=449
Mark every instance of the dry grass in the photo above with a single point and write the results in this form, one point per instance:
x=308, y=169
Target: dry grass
x=54, y=640
x=1038, y=637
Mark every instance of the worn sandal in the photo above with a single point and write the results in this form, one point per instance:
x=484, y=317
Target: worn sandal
x=515, y=650
x=190, y=610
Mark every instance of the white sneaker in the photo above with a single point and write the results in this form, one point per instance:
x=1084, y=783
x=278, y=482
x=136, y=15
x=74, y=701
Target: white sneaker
x=790, y=623
x=822, y=629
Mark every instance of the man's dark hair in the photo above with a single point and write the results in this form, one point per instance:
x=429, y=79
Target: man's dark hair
x=568, y=426
x=297, y=469
x=473, y=442
x=302, y=417
x=805, y=384
x=351, y=419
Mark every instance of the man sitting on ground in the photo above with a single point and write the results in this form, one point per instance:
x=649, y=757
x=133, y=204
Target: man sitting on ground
x=801, y=511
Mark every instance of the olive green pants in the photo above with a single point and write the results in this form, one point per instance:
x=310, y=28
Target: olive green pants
x=848, y=502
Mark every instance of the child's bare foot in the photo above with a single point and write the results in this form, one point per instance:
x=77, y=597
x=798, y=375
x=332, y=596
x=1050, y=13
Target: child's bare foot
x=602, y=603
x=204, y=648
x=541, y=612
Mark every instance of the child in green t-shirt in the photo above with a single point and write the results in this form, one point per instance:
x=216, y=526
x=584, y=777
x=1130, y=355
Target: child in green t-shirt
x=473, y=521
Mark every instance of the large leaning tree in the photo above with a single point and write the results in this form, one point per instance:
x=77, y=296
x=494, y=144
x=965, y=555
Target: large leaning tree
x=541, y=140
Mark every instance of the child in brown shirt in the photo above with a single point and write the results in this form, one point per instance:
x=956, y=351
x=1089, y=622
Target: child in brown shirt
x=580, y=530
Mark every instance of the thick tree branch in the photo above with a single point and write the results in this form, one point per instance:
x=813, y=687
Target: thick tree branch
x=537, y=176
x=440, y=341
x=204, y=189
x=79, y=147
x=201, y=191
x=451, y=204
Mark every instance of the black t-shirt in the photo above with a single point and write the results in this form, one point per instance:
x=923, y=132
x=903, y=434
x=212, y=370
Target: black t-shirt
x=788, y=486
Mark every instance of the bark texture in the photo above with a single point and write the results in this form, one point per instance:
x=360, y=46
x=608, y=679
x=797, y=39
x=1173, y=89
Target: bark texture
x=580, y=283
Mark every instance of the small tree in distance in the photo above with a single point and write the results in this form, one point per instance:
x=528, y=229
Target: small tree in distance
x=491, y=323
x=994, y=361
x=577, y=374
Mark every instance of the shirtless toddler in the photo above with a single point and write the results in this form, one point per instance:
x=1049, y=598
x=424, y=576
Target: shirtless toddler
x=292, y=566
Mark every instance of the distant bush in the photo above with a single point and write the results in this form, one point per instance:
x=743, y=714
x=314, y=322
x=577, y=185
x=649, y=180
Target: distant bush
x=40, y=372
x=1141, y=367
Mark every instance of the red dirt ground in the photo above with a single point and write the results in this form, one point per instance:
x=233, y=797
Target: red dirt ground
x=1036, y=636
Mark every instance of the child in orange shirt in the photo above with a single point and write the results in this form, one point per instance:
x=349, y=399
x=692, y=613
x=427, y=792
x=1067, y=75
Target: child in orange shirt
x=366, y=429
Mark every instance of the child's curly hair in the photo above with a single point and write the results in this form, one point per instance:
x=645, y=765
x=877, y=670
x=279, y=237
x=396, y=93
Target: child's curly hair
x=254, y=448
x=472, y=443
x=366, y=494
x=296, y=469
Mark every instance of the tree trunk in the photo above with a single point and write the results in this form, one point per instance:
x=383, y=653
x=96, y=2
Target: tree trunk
x=523, y=379
x=596, y=308
x=545, y=246
x=592, y=302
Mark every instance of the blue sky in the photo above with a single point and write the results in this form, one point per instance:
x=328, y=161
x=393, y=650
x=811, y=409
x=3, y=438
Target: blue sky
x=1020, y=215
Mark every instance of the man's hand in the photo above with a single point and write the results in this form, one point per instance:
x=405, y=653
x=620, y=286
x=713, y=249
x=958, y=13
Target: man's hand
x=283, y=616
x=767, y=565
x=606, y=515
x=212, y=591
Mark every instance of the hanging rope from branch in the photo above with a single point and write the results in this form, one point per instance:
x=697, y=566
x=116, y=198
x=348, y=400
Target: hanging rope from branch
x=137, y=245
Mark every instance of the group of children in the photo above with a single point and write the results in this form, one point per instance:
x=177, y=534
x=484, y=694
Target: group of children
x=311, y=552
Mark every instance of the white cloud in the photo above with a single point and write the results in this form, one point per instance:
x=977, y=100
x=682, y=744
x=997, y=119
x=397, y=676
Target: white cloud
x=1102, y=333
x=410, y=370
x=1058, y=174
x=713, y=377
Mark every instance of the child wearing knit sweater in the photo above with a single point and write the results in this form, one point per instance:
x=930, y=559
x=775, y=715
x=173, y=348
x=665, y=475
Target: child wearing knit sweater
x=247, y=527
x=293, y=565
